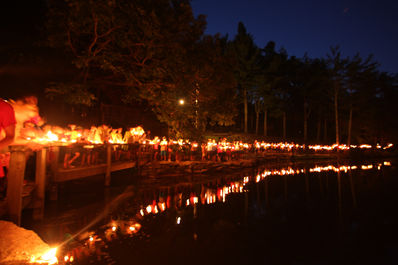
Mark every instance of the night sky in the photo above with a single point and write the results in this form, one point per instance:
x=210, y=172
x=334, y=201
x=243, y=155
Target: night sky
x=312, y=26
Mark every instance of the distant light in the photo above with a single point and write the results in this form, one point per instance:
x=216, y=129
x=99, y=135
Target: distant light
x=114, y=228
x=178, y=220
x=181, y=102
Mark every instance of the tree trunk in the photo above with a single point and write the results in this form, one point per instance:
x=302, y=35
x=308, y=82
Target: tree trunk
x=245, y=108
x=336, y=111
x=265, y=123
x=102, y=108
x=252, y=118
x=318, y=128
x=349, y=127
x=284, y=125
x=305, y=122
x=257, y=120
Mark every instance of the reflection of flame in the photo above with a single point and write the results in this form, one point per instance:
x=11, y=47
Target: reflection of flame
x=50, y=257
x=211, y=196
x=365, y=167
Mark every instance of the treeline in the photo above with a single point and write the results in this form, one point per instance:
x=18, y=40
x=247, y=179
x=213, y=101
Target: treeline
x=155, y=52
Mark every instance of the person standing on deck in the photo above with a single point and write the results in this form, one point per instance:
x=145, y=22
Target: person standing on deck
x=7, y=125
x=163, y=149
x=7, y=134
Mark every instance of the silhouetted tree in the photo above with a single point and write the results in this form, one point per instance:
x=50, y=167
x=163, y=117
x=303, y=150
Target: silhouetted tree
x=246, y=54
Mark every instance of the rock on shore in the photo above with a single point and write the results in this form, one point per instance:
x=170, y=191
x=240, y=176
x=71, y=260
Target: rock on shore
x=18, y=245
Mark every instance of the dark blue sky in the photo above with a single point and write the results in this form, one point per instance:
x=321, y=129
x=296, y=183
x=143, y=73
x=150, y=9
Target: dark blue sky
x=312, y=26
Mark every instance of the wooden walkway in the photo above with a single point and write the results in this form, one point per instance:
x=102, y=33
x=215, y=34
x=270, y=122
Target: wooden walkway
x=22, y=194
x=81, y=172
x=49, y=173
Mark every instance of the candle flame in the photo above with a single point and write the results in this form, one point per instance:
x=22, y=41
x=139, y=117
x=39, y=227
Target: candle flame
x=50, y=257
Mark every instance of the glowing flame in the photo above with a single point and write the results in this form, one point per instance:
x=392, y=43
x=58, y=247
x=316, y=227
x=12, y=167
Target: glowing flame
x=50, y=257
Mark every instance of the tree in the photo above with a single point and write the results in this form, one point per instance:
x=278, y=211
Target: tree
x=385, y=102
x=337, y=68
x=145, y=50
x=266, y=81
x=246, y=54
x=360, y=84
x=282, y=89
x=85, y=30
x=310, y=82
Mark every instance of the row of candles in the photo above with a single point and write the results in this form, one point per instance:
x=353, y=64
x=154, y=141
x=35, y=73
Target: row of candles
x=207, y=196
x=104, y=134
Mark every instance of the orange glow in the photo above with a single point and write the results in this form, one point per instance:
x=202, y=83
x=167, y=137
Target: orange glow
x=50, y=257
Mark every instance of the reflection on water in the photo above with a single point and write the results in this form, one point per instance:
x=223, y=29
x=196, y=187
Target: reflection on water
x=302, y=214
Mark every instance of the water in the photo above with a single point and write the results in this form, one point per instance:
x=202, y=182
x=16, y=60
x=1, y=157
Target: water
x=322, y=213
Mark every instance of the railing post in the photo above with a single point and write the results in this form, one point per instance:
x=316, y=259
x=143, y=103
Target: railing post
x=15, y=182
x=108, y=165
x=54, y=159
x=40, y=179
x=54, y=171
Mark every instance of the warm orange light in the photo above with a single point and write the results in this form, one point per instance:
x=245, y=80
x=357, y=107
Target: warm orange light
x=50, y=257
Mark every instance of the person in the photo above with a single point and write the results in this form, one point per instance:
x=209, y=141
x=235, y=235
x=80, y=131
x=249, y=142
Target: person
x=163, y=149
x=28, y=120
x=7, y=125
x=72, y=149
x=7, y=134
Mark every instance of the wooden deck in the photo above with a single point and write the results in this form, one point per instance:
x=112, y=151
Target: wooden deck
x=49, y=173
x=21, y=195
x=81, y=172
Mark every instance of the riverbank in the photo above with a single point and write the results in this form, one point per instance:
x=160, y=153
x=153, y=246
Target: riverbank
x=251, y=160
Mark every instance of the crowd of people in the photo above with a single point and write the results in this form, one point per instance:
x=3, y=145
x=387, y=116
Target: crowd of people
x=20, y=123
x=83, y=146
x=165, y=149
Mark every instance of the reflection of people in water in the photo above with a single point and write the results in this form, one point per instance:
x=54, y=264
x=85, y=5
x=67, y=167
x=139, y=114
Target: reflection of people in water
x=203, y=194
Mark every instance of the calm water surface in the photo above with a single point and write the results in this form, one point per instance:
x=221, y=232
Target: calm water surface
x=315, y=213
